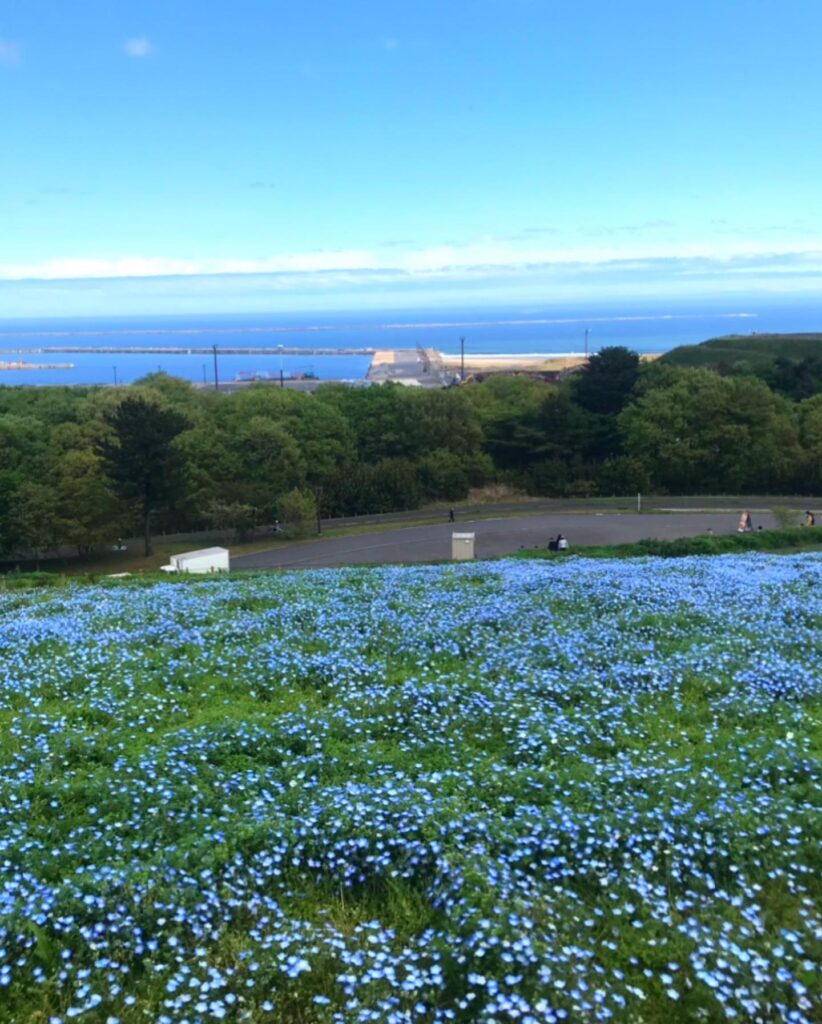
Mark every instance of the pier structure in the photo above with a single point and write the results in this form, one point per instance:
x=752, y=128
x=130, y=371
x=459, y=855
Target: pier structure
x=413, y=367
x=180, y=350
x=21, y=364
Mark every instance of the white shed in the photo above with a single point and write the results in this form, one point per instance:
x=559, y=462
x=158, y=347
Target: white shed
x=204, y=561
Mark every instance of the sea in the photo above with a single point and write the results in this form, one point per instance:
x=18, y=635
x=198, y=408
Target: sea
x=513, y=330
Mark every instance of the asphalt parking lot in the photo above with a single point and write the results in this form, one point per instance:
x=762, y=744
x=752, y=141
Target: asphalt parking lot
x=494, y=537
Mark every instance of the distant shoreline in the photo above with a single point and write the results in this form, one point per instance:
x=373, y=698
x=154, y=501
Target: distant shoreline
x=339, y=345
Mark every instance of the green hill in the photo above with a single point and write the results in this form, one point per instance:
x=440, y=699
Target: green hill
x=753, y=349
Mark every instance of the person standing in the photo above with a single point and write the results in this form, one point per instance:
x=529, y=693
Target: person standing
x=451, y=516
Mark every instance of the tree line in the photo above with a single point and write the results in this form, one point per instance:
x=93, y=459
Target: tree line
x=81, y=466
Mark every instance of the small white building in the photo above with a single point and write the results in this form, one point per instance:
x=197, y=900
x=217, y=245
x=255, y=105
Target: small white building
x=204, y=561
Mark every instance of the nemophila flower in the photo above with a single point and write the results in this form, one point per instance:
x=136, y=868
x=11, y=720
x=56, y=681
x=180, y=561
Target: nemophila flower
x=430, y=791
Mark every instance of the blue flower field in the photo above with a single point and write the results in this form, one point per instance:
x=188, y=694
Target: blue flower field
x=506, y=792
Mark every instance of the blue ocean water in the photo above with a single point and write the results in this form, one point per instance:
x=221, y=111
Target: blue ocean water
x=648, y=327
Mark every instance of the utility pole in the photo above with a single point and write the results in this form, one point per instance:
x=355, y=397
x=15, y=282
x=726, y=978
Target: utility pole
x=462, y=358
x=115, y=376
x=587, y=332
x=216, y=374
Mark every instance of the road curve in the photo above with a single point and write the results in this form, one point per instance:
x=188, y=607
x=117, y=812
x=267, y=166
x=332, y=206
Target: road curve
x=493, y=537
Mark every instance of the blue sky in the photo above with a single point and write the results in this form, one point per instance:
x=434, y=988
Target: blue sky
x=172, y=155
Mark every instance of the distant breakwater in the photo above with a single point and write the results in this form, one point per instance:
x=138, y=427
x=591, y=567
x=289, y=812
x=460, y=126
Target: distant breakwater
x=222, y=350
x=19, y=364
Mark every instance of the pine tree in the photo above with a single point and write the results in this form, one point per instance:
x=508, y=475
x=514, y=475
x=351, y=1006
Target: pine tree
x=140, y=458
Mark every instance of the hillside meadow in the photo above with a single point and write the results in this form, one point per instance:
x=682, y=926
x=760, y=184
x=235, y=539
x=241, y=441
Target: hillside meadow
x=523, y=791
x=751, y=348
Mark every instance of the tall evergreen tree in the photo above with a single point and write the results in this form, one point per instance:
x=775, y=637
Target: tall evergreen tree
x=605, y=384
x=140, y=457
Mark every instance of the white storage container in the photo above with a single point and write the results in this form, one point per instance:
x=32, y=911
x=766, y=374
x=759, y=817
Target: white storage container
x=462, y=546
x=204, y=561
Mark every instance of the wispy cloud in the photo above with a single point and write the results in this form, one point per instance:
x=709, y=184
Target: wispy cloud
x=534, y=232
x=481, y=260
x=139, y=266
x=11, y=53
x=170, y=286
x=138, y=46
x=632, y=229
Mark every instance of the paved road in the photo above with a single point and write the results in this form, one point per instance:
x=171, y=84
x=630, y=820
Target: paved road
x=493, y=537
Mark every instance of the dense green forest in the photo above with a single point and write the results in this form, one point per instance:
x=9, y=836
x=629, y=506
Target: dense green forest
x=81, y=466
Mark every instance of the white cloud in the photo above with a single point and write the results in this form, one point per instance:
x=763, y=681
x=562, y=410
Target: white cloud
x=481, y=259
x=139, y=46
x=11, y=53
x=139, y=266
x=734, y=278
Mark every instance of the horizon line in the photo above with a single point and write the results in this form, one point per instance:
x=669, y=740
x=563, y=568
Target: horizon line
x=308, y=328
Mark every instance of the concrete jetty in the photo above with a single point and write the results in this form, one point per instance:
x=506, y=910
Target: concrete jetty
x=21, y=364
x=413, y=367
x=179, y=350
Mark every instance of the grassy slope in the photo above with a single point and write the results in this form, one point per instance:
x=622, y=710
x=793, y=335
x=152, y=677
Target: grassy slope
x=758, y=348
x=418, y=782
x=789, y=541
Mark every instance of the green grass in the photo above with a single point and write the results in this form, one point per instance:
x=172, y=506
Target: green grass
x=754, y=349
x=790, y=541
